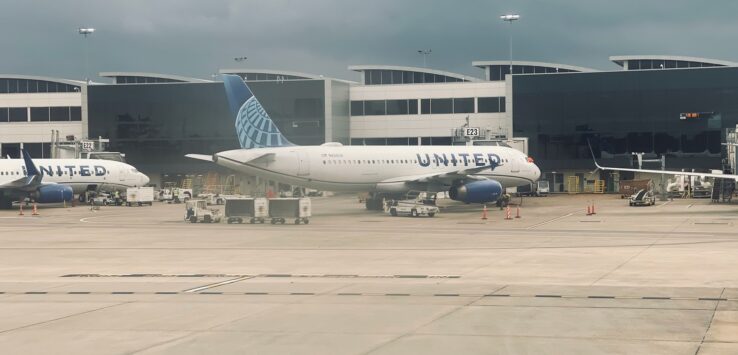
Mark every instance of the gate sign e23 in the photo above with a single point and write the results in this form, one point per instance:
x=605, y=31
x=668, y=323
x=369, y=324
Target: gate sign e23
x=471, y=131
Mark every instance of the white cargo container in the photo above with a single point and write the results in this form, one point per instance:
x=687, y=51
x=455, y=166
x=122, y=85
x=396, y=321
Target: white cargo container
x=238, y=210
x=281, y=209
x=138, y=196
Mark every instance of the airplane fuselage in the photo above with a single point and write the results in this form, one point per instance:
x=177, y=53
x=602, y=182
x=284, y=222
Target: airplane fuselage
x=379, y=168
x=79, y=174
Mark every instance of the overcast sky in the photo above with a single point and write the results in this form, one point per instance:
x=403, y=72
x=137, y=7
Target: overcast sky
x=198, y=37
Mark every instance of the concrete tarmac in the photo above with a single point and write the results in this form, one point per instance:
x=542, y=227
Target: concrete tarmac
x=139, y=280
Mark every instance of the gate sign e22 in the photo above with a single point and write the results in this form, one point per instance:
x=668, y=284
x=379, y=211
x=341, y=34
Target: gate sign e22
x=471, y=131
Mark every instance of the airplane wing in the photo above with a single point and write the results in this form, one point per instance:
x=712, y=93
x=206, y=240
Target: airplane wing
x=665, y=172
x=200, y=157
x=670, y=172
x=253, y=158
x=442, y=176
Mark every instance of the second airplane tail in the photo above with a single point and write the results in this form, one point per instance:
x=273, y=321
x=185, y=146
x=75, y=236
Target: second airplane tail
x=254, y=127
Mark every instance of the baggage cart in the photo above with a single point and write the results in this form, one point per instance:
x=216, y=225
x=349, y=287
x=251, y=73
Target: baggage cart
x=297, y=209
x=238, y=210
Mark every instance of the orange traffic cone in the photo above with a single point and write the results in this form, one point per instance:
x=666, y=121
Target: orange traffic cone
x=517, y=213
x=21, y=209
x=484, y=212
x=507, y=213
x=35, y=210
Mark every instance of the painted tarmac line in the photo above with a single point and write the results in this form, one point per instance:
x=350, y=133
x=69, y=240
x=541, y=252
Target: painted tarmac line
x=222, y=283
x=550, y=221
x=380, y=294
x=87, y=219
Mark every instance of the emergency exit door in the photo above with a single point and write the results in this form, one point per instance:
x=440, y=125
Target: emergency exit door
x=303, y=164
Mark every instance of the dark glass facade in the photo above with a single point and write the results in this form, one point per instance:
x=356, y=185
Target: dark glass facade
x=143, y=80
x=624, y=112
x=644, y=64
x=156, y=125
x=25, y=86
x=498, y=72
x=386, y=77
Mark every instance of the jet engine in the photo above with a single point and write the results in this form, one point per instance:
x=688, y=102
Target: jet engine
x=482, y=191
x=54, y=194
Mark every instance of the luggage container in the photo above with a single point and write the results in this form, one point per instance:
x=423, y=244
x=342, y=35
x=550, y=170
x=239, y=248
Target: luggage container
x=282, y=209
x=139, y=196
x=238, y=210
x=630, y=187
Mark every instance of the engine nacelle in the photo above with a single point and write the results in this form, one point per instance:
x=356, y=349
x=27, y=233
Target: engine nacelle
x=54, y=194
x=482, y=191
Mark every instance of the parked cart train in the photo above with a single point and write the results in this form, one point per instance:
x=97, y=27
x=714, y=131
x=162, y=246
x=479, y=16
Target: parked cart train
x=238, y=210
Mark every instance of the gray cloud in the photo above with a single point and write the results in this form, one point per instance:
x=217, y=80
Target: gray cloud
x=195, y=38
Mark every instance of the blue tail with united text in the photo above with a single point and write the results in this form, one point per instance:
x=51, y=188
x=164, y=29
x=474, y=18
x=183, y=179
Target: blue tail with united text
x=254, y=127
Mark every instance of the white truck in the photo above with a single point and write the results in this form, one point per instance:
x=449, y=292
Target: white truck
x=411, y=208
x=139, y=196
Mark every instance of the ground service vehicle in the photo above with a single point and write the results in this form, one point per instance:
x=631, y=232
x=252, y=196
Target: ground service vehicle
x=543, y=188
x=139, y=196
x=198, y=211
x=180, y=195
x=238, y=210
x=643, y=197
x=540, y=189
x=411, y=208
x=281, y=209
x=630, y=187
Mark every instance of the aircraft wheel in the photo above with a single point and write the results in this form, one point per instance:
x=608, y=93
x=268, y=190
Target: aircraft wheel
x=297, y=221
x=307, y=221
x=193, y=219
x=431, y=214
x=393, y=212
x=414, y=212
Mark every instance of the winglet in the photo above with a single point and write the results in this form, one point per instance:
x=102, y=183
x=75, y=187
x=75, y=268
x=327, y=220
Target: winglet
x=30, y=166
x=593, y=156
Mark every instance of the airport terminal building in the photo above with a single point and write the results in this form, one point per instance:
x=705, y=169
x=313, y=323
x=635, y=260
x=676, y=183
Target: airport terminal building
x=678, y=106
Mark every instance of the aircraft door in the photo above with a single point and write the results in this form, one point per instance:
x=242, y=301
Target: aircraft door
x=303, y=164
x=515, y=165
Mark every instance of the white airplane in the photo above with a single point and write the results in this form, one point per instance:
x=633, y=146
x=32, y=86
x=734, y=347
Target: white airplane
x=57, y=180
x=472, y=174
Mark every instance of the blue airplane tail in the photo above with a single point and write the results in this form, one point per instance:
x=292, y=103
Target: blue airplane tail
x=254, y=127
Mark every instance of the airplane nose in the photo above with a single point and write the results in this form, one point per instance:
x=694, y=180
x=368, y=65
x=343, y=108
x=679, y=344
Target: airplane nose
x=144, y=179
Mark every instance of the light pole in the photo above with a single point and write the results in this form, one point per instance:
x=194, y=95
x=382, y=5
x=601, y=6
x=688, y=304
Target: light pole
x=510, y=18
x=425, y=53
x=86, y=32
